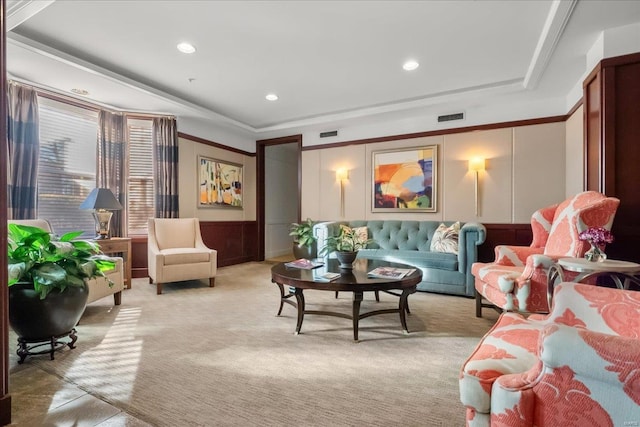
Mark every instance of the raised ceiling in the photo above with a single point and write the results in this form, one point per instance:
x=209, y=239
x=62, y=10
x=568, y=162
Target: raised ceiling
x=326, y=60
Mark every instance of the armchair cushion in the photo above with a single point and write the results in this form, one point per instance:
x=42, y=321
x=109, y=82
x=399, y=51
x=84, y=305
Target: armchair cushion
x=175, y=256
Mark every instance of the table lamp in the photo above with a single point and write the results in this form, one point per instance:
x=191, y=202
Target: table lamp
x=102, y=201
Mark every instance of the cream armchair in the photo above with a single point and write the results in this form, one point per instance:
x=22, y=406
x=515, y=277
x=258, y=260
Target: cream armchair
x=176, y=252
x=99, y=286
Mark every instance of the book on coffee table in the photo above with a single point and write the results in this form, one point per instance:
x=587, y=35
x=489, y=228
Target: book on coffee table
x=304, y=263
x=325, y=277
x=390, y=272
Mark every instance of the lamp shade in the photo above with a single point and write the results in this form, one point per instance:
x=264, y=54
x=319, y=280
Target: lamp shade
x=101, y=198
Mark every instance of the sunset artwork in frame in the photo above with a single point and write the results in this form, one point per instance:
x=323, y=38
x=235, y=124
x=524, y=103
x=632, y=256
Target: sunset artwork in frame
x=405, y=180
x=219, y=183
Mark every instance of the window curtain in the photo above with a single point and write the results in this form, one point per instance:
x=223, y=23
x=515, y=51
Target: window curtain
x=111, y=165
x=165, y=167
x=24, y=150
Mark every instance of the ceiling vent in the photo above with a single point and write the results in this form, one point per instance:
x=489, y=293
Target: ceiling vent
x=328, y=134
x=449, y=117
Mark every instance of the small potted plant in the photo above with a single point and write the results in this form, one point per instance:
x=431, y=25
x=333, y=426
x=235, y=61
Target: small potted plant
x=346, y=245
x=47, y=288
x=304, y=242
x=598, y=237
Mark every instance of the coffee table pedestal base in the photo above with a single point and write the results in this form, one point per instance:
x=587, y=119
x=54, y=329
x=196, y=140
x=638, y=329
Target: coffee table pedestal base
x=356, y=316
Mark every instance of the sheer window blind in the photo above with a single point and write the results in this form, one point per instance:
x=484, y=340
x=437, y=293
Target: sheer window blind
x=140, y=185
x=67, y=170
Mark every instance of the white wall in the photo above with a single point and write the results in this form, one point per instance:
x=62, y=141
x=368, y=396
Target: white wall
x=525, y=170
x=574, y=141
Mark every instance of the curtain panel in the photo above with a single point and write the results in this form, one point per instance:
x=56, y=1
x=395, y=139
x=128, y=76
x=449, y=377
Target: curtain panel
x=165, y=167
x=111, y=166
x=24, y=149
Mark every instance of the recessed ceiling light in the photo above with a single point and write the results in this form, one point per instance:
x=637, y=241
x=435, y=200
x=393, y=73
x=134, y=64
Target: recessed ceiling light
x=272, y=97
x=82, y=92
x=186, y=47
x=410, y=65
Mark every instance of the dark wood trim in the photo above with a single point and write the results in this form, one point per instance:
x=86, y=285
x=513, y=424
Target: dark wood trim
x=617, y=61
x=608, y=142
x=139, y=261
x=260, y=177
x=213, y=144
x=611, y=111
x=235, y=241
x=574, y=108
x=491, y=126
x=503, y=234
x=5, y=397
x=592, y=75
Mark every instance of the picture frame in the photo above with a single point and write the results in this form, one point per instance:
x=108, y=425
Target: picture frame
x=405, y=180
x=219, y=183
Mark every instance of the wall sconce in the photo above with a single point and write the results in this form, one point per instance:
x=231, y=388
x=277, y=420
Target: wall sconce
x=342, y=175
x=476, y=165
x=102, y=201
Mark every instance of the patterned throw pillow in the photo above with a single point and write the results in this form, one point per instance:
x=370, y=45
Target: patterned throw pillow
x=445, y=239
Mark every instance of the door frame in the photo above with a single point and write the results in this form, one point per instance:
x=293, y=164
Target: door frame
x=260, y=177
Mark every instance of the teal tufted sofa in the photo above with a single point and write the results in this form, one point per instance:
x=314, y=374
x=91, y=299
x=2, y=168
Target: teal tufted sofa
x=409, y=242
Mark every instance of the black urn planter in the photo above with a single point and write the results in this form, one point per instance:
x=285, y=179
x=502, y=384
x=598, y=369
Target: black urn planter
x=303, y=251
x=346, y=259
x=46, y=320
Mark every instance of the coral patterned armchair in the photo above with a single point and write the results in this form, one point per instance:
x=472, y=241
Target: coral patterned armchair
x=517, y=279
x=577, y=366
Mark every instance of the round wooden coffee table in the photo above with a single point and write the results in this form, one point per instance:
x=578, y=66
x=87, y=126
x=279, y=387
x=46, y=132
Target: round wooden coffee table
x=355, y=281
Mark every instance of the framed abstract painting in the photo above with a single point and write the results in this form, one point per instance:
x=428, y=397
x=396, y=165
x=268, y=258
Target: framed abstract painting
x=405, y=180
x=219, y=183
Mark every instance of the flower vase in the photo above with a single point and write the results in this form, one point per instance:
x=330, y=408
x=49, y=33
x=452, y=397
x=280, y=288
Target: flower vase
x=595, y=254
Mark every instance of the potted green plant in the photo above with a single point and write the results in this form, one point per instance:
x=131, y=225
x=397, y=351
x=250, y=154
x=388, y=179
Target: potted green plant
x=346, y=245
x=304, y=242
x=47, y=288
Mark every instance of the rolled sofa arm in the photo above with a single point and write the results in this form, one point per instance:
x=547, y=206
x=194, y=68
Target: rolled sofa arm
x=472, y=235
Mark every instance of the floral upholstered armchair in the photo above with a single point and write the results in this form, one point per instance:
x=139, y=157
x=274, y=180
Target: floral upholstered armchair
x=517, y=279
x=577, y=366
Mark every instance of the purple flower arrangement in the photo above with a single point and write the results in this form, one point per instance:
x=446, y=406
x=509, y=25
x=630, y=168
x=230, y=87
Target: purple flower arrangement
x=597, y=236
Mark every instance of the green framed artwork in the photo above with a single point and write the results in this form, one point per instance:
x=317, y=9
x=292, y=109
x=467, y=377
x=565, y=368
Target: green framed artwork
x=219, y=183
x=405, y=180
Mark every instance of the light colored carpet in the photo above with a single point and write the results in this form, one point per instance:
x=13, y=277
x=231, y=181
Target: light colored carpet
x=200, y=356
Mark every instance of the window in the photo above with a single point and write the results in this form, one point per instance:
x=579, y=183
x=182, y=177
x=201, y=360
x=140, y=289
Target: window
x=140, y=185
x=67, y=165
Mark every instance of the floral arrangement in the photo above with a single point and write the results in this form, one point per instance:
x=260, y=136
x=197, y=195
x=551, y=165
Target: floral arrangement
x=597, y=236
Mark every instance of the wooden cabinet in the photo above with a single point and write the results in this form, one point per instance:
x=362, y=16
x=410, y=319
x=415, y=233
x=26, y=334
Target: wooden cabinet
x=612, y=146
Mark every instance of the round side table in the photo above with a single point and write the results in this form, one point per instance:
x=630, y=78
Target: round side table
x=621, y=272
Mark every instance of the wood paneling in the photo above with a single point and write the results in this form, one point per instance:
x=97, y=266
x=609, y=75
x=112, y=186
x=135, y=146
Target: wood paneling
x=139, y=263
x=235, y=241
x=503, y=234
x=612, y=128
